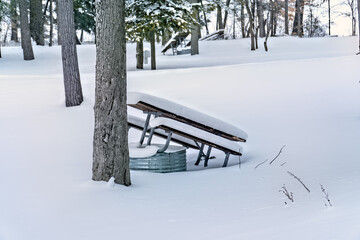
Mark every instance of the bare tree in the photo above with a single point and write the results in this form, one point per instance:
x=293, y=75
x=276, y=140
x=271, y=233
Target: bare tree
x=25, y=31
x=73, y=91
x=111, y=153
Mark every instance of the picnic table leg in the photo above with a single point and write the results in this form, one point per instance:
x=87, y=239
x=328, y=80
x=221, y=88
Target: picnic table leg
x=226, y=159
x=200, y=154
x=166, y=144
x=207, y=156
x=145, y=128
x=150, y=136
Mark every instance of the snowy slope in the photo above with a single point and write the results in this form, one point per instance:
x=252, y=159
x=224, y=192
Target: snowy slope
x=303, y=93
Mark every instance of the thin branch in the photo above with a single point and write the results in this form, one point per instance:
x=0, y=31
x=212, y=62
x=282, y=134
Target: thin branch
x=326, y=195
x=260, y=164
x=293, y=175
x=277, y=155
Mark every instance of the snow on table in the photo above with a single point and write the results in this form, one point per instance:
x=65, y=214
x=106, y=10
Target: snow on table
x=196, y=133
x=209, y=122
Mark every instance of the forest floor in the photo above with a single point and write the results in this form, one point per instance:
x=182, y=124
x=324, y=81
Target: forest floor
x=303, y=93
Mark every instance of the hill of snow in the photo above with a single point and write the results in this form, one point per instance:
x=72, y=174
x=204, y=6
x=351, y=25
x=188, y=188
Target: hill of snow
x=303, y=93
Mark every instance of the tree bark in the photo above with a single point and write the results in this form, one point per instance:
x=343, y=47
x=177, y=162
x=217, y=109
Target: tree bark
x=73, y=91
x=358, y=10
x=140, y=54
x=152, y=50
x=260, y=13
x=298, y=20
x=329, y=10
x=51, y=24
x=195, y=31
x=14, y=21
x=111, y=152
x=219, y=24
x=25, y=31
x=251, y=27
x=226, y=12
x=37, y=22
x=287, y=17
x=242, y=20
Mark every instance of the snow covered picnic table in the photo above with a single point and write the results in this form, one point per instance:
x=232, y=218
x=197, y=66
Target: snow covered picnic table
x=166, y=108
x=185, y=126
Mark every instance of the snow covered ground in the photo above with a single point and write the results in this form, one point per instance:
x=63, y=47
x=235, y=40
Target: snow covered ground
x=303, y=93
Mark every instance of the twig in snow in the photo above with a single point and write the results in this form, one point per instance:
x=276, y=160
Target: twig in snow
x=293, y=175
x=326, y=195
x=277, y=155
x=288, y=194
x=260, y=164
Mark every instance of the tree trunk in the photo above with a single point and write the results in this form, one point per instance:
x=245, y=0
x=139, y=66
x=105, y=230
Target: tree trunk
x=73, y=91
x=140, y=54
x=329, y=10
x=152, y=50
x=25, y=31
x=358, y=10
x=14, y=21
x=37, y=22
x=287, y=17
x=219, y=24
x=111, y=152
x=298, y=19
x=195, y=31
x=260, y=13
x=242, y=20
x=205, y=19
x=226, y=12
x=58, y=25
x=251, y=28
x=51, y=24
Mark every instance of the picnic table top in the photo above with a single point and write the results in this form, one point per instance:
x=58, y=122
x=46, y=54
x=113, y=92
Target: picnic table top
x=169, y=109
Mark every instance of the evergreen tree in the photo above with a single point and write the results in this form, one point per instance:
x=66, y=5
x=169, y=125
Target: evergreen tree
x=84, y=14
x=150, y=18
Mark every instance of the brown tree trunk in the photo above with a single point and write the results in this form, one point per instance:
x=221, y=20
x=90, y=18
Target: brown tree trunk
x=111, y=152
x=37, y=22
x=73, y=91
x=152, y=50
x=25, y=31
x=140, y=54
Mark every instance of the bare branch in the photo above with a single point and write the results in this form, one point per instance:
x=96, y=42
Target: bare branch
x=260, y=164
x=326, y=195
x=288, y=194
x=277, y=155
x=293, y=175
